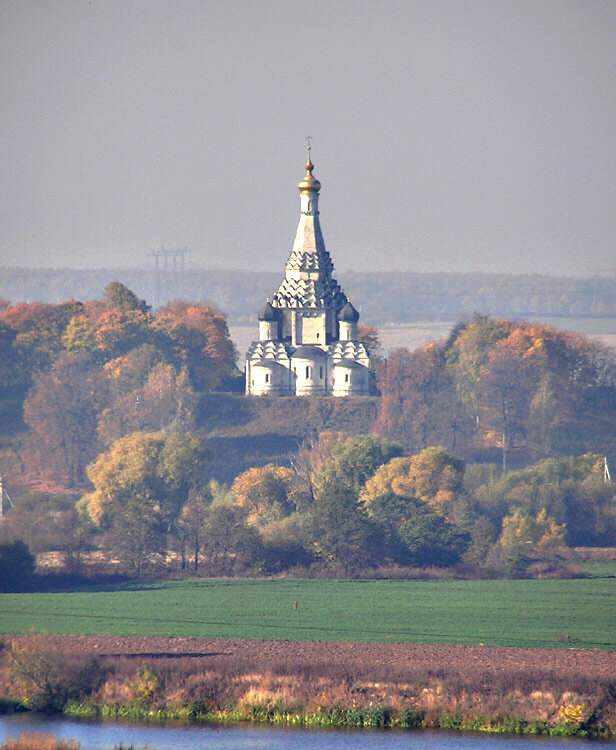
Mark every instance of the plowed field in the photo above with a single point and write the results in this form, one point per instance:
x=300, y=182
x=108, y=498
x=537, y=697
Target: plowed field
x=471, y=662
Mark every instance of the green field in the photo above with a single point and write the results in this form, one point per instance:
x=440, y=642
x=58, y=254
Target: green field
x=558, y=613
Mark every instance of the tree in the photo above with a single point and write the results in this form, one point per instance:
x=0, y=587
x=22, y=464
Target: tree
x=434, y=477
x=149, y=472
x=131, y=371
x=468, y=353
x=431, y=540
x=266, y=493
x=167, y=398
x=39, y=328
x=16, y=566
x=136, y=533
x=483, y=537
x=119, y=331
x=525, y=539
x=80, y=336
x=419, y=406
x=119, y=297
x=355, y=460
x=310, y=459
x=229, y=543
x=191, y=524
x=61, y=411
x=341, y=532
x=196, y=337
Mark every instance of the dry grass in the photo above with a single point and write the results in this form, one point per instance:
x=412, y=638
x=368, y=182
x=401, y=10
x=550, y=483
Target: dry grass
x=37, y=741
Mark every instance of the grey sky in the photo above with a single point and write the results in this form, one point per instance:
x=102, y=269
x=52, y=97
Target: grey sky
x=458, y=135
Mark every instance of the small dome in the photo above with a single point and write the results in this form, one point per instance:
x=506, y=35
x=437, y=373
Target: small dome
x=308, y=351
x=268, y=312
x=309, y=183
x=348, y=314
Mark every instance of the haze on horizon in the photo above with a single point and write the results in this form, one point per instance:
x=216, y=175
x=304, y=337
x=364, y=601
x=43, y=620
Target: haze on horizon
x=475, y=135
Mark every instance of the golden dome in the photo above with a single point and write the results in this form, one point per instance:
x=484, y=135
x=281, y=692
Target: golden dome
x=309, y=183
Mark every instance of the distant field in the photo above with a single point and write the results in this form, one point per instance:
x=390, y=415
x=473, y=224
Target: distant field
x=417, y=334
x=529, y=613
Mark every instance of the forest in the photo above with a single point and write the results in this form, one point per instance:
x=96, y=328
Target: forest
x=483, y=455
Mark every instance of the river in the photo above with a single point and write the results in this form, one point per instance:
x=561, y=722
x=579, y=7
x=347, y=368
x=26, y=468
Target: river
x=107, y=735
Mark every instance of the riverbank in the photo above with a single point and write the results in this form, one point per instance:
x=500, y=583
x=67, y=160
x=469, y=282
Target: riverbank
x=499, y=690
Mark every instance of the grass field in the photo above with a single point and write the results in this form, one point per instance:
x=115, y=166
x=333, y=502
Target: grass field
x=529, y=613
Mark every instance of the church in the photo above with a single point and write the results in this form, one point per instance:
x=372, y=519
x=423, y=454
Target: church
x=308, y=330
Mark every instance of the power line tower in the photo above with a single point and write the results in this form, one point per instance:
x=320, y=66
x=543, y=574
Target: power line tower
x=169, y=275
x=5, y=499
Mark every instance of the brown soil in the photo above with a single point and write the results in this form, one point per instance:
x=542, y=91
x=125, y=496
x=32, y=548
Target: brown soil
x=280, y=656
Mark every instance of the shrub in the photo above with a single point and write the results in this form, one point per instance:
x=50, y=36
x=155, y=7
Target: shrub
x=46, y=678
x=39, y=741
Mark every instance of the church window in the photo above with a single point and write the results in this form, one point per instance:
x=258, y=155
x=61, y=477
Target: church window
x=346, y=377
x=308, y=373
x=267, y=380
x=318, y=335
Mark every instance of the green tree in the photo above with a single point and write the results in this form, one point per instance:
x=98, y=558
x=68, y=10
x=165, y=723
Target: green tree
x=229, y=544
x=16, y=566
x=355, y=460
x=119, y=297
x=341, y=532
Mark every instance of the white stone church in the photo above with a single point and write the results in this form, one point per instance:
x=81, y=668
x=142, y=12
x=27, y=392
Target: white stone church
x=308, y=332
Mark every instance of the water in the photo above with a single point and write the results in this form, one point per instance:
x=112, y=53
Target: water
x=105, y=736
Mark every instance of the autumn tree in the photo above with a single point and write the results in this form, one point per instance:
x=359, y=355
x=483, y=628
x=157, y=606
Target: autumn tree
x=119, y=331
x=61, y=412
x=434, y=477
x=525, y=539
x=166, y=398
x=39, y=328
x=419, y=406
x=196, y=337
x=140, y=485
x=266, y=493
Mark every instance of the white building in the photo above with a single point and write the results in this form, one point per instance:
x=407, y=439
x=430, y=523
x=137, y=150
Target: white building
x=308, y=332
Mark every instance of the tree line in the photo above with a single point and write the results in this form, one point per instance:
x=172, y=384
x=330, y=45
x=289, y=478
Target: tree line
x=346, y=505
x=385, y=296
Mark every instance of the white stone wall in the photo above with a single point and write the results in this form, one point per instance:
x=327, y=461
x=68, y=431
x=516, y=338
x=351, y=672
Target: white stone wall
x=350, y=379
x=310, y=376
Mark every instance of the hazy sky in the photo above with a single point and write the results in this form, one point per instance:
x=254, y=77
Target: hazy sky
x=457, y=135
